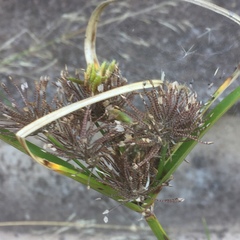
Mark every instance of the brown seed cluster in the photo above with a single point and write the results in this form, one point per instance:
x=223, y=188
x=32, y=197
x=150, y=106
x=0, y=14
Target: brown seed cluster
x=174, y=112
x=21, y=113
x=114, y=141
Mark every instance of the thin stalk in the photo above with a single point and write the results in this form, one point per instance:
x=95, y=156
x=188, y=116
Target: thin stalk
x=156, y=227
x=207, y=232
x=162, y=161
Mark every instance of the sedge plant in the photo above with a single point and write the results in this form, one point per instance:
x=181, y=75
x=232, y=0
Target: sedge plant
x=94, y=132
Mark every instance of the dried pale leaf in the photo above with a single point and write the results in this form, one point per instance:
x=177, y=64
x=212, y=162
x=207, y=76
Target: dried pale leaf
x=213, y=7
x=91, y=32
x=39, y=123
x=222, y=88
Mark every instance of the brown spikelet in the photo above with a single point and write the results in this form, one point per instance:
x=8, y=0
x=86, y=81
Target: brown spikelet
x=28, y=109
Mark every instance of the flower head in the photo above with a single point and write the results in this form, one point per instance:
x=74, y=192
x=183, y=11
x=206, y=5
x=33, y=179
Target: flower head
x=115, y=140
x=174, y=112
x=21, y=113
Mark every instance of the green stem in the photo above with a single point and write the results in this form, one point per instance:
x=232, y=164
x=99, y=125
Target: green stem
x=162, y=161
x=156, y=227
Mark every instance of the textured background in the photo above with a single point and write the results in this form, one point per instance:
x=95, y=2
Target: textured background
x=188, y=43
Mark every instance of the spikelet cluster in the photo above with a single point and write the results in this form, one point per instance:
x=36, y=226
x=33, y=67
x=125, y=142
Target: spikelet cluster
x=117, y=142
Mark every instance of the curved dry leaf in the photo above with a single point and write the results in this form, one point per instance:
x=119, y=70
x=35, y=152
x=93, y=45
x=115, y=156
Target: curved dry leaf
x=41, y=122
x=215, y=8
x=228, y=81
x=91, y=32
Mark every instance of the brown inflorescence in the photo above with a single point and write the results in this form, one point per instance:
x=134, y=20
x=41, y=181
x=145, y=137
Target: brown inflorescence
x=119, y=143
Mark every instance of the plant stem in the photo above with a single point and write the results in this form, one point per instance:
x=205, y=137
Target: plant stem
x=156, y=227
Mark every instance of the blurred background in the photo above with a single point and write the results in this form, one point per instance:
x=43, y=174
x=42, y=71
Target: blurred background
x=189, y=44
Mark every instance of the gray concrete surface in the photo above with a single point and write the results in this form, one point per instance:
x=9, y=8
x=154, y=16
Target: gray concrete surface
x=197, y=44
x=208, y=184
